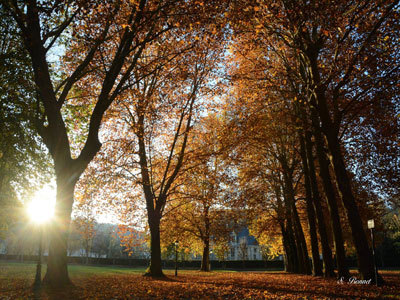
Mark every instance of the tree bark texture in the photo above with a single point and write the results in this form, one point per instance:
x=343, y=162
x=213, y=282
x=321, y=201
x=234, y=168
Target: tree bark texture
x=364, y=254
x=304, y=266
x=326, y=249
x=205, y=261
x=324, y=174
x=316, y=262
x=57, y=268
x=155, y=267
x=330, y=130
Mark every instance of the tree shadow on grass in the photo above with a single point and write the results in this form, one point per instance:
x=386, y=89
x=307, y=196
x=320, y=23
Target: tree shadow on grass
x=69, y=292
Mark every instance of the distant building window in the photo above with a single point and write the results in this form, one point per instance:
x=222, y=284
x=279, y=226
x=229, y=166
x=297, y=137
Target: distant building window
x=232, y=252
x=255, y=255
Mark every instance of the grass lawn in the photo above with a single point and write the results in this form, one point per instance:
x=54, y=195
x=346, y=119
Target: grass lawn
x=104, y=282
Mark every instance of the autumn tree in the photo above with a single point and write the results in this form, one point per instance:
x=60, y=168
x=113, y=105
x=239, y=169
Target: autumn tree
x=268, y=235
x=271, y=99
x=89, y=29
x=273, y=78
x=337, y=69
x=331, y=56
x=275, y=100
x=199, y=209
x=268, y=162
x=158, y=113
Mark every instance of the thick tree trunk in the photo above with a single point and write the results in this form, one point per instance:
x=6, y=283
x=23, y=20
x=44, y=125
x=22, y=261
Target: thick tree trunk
x=289, y=244
x=316, y=262
x=298, y=241
x=295, y=256
x=57, y=270
x=293, y=244
x=301, y=243
x=290, y=257
x=298, y=230
x=324, y=174
x=326, y=249
x=205, y=261
x=153, y=208
x=288, y=264
x=155, y=268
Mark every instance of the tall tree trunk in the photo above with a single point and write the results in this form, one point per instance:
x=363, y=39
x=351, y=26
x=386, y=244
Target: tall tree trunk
x=287, y=261
x=316, y=262
x=294, y=246
x=326, y=249
x=331, y=130
x=205, y=261
x=324, y=174
x=153, y=210
x=57, y=269
x=301, y=242
x=364, y=254
x=291, y=262
x=155, y=268
x=298, y=230
x=294, y=257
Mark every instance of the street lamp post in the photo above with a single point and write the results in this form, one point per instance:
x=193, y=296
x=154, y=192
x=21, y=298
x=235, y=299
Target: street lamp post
x=176, y=257
x=371, y=226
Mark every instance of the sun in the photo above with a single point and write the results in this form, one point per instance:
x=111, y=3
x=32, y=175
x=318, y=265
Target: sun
x=41, y=208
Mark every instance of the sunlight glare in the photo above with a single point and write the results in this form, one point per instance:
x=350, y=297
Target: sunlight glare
x=41, y=208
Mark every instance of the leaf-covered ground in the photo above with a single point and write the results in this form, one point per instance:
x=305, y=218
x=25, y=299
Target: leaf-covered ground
x=120, y=283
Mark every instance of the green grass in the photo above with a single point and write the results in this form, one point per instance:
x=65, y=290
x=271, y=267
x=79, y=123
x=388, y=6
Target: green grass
x=26, y=270
x=81, y=270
